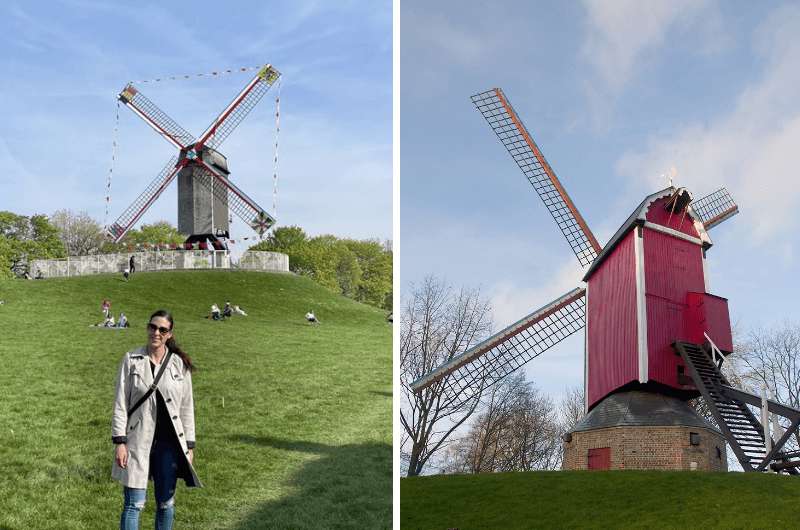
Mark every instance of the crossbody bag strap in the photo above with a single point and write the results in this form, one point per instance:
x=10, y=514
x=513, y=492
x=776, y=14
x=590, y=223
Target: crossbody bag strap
x=153, y=386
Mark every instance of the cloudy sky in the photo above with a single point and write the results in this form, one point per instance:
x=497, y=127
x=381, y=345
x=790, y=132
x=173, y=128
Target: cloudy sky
x=615, y=94
x=64, y=62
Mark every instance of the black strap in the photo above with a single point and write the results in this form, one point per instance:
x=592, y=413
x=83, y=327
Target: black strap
x=153, y=386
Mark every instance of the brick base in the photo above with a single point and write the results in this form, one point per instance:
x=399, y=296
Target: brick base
x=667, y=448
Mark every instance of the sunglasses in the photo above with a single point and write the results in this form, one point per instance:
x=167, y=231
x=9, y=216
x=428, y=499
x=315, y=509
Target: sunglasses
x=152, y=327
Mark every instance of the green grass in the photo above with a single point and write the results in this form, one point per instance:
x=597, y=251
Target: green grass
x=607, y=499
x=303, y=439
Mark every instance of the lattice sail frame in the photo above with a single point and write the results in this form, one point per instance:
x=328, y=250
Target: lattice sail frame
x=152, y=192
x=239, y=203
x=242, y=205
x=155, y=117
x=715, y=208
x=507, y=350
x=504, y=121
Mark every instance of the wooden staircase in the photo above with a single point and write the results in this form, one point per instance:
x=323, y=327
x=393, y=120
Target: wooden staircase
x=739, y=425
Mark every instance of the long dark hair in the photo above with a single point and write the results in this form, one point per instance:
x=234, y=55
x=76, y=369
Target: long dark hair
x=171, y=344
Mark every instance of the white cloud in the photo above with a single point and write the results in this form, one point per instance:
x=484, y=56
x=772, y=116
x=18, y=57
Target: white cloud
x=752, y=149
x=510, y=302
x=620, y=35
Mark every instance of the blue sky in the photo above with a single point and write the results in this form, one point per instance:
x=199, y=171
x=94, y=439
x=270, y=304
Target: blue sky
x=615, y=94
x=63, y=64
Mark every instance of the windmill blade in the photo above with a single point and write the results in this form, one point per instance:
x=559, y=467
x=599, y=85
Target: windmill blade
x=504, y=121
x=239, y=108
x=490, y=361
x=239, y=203
x=155, y=117
x=137, y=208
x=715, y=208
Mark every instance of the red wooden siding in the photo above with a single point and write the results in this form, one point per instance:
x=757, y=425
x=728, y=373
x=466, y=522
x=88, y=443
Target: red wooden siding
x=600, y=458
x=708, y=313
x=673, y=267
x=611, y=319
x=659, y=215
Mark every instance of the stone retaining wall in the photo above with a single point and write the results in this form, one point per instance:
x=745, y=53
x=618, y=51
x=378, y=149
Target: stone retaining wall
x=159, y=261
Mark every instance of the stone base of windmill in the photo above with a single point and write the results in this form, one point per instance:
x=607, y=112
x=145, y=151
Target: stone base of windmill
x=644, y=430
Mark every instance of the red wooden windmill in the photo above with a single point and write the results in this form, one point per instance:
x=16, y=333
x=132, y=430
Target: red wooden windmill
x=205, y=193
x=655, y=336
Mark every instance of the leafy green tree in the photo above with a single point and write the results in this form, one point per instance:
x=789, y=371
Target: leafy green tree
x=361, y=270
x=32, y=237
x=160, y=232
x=284, y=239
x=376, y=272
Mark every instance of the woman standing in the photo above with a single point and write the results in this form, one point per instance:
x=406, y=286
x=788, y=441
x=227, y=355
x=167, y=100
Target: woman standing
x=153, y=424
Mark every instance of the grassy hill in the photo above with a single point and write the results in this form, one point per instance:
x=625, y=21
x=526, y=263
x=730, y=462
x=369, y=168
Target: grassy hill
x=303, y=439
x=607, y=499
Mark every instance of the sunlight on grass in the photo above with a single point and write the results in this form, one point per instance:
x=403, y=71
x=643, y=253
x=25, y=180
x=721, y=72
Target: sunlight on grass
x=303, y=439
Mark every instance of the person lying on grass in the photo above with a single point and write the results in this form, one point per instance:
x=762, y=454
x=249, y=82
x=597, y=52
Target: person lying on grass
x=311, y=318
x=153, y=424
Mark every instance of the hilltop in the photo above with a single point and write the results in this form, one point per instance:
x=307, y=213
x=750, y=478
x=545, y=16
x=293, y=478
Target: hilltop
x=303, y=439
x=599, y=499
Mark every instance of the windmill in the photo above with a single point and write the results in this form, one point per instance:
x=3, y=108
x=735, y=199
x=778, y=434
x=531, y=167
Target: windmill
x=205, y=193
x=654, y=336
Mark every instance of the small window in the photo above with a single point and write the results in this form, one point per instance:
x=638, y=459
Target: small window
x=694, y=438
x=719, y=453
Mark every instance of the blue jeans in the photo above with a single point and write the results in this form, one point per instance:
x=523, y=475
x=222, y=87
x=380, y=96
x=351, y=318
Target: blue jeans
x=164, y=470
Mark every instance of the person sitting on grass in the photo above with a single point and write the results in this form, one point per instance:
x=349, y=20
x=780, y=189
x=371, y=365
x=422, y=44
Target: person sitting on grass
x=126, y=273
x=311, y=318
x=238, y=310
x=227, y=312
x=106, y=307
x=215, y=314
x=123, y=321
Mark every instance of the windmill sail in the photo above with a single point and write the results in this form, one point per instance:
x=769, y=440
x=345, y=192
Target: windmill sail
x=715, y=208
x=239, y=108
x=502, y=353
x=239, y=203
x=502, y=118
x=156, y=118
x=146, y=199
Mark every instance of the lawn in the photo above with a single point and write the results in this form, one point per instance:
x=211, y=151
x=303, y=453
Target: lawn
x=293, y=420
x=599, y=499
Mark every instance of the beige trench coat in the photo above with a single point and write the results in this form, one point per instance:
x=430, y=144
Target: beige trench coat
x=133, y=380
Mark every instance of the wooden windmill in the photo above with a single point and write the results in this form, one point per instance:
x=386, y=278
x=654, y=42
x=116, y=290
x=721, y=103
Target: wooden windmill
x=205, y=192
x=655, y=336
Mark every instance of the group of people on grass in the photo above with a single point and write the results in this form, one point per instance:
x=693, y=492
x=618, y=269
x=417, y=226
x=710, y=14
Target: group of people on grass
x=227, y=312
x=108, y=317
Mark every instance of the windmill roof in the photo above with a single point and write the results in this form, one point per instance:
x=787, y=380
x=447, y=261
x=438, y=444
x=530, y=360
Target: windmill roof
x=637, y=218
x=638, y=408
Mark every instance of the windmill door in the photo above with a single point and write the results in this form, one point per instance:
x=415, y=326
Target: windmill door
x=600, y=458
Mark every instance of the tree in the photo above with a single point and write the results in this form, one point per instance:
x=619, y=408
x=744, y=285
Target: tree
x=772, y=359
x=361, y=270
x=80, y=233
x=572, y=408
x=517, y=429
x=283, y=239
x=436, y=325
x=160, y=232
x=375, y=263
x=25, y=238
